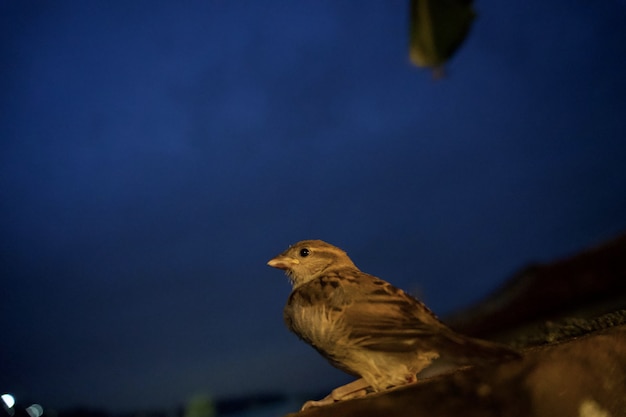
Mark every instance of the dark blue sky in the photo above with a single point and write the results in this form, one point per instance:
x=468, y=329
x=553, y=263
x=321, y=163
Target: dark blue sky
x=155, y=155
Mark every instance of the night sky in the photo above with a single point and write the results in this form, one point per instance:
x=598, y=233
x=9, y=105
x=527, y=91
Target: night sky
x=154, y=155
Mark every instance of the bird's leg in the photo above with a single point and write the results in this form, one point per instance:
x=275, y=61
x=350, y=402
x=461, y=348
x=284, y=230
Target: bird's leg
x=354, y=389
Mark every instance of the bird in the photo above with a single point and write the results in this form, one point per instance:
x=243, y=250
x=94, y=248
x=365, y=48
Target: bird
x=365, y=326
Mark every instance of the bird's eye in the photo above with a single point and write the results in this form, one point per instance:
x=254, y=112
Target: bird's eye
x=304, y=252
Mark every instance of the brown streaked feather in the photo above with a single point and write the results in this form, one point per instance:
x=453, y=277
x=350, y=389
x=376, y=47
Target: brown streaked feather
x=377, y=315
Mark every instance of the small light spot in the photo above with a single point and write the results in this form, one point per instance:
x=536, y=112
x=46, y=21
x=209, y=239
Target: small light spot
x=35, y=410
x=8, y=400
x=590, y=408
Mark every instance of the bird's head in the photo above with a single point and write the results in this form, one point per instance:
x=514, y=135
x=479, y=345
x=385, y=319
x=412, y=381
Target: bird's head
x=308, y=259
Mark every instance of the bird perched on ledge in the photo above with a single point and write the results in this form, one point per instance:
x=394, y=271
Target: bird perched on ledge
x=365, y=326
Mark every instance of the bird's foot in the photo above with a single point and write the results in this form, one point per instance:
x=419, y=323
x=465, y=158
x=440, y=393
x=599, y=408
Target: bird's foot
x=355, y=389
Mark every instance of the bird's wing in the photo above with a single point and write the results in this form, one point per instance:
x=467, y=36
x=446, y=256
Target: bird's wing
x=380, y=316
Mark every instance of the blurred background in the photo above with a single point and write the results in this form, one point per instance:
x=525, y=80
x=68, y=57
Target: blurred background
x=154, y=156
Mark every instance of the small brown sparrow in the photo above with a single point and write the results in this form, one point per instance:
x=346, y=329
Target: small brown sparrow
x=365, y=326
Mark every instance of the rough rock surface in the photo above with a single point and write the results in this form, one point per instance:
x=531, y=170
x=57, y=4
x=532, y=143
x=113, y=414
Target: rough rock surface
x=586, y=285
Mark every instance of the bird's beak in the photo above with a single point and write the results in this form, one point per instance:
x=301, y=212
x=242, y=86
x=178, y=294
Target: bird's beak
x=283, y=262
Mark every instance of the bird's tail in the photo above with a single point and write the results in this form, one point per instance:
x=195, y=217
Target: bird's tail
x=471, y=351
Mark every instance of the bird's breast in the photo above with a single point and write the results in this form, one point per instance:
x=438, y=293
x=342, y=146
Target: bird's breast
x=318, y=324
